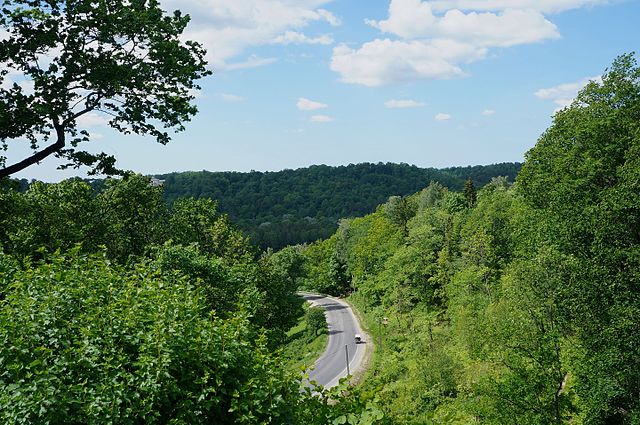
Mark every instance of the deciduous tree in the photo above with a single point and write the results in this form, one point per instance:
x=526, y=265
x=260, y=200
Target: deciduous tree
x=316, y=320
x=581, y=180
x=124, y=60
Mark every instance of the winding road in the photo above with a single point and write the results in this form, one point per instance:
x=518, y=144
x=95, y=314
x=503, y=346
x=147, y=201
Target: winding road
x=343, y=326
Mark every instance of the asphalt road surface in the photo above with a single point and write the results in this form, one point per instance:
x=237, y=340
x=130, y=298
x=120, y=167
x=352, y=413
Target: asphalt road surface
x=343, y=326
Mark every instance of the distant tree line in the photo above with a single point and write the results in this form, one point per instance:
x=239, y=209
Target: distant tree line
x=289, y=207
x=295, y=206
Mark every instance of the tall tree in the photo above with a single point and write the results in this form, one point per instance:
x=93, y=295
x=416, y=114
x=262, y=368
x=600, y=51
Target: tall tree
x=121, y=59
x=132, y=216
x=198, y=221
x=470, y=193
x=581, y=181
x=400, y=210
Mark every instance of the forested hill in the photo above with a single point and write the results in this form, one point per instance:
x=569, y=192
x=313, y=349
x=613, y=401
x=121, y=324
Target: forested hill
x=294, y=206
x=513, y=304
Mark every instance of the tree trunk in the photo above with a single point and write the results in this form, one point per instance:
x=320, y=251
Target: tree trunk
x=38, y=156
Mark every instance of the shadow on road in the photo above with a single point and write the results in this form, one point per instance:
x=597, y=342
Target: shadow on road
x=312, y=297
x=331, y=307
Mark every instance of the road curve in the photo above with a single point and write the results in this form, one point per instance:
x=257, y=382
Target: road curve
x=343, y=326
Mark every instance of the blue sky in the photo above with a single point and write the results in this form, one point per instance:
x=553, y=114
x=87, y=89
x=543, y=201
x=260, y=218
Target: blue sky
x=431, y=83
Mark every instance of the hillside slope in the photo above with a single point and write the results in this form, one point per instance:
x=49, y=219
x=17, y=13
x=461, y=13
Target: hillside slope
x=513, y=304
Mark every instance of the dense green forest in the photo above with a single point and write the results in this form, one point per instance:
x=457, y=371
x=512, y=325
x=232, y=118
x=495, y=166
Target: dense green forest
x=517, y=303
x=115, y=308
x=277, y=209
x=295, y=206
x=505, y=302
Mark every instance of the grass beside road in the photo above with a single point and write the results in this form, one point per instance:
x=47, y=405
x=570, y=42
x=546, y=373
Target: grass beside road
x=303, y=348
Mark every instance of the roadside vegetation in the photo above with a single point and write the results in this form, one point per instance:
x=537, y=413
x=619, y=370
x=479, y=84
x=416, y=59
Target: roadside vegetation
x=306, y=341
x=115, y=307
x=514, y=303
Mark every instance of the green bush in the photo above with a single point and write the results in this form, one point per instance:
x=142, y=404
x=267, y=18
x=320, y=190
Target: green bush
x=83, y=341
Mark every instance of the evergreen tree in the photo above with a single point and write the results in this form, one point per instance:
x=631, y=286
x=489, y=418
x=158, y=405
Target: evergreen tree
x=470, y=193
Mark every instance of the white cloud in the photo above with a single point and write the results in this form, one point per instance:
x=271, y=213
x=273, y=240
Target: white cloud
x=380, y=62
x=196, y=93
x=309, y=105
x=92, y=119
x=562, y=95
x=424, y=32
x=407, y=18
x=415, y=19
x=229, y=27
x=294, y=37
x=321, y=118
x=401, y=104
x=488, y=112
x=252, y=61
x=442, y=117
x=28, y=87
x=6, y=83
x=231, y=97
x=509, y=28
x=329, y=17
x=545, y=6
x=17, y=77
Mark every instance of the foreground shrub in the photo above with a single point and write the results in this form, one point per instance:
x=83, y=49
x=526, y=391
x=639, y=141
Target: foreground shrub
x=83, y=341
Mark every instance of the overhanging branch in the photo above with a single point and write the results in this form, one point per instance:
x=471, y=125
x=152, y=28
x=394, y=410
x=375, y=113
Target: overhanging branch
x=38, y=156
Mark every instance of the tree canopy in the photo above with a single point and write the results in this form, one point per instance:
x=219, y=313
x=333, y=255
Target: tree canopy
x=582, y=182
x=513, y=303
x=295, y=206
x=124, y=60
x=115, y=307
